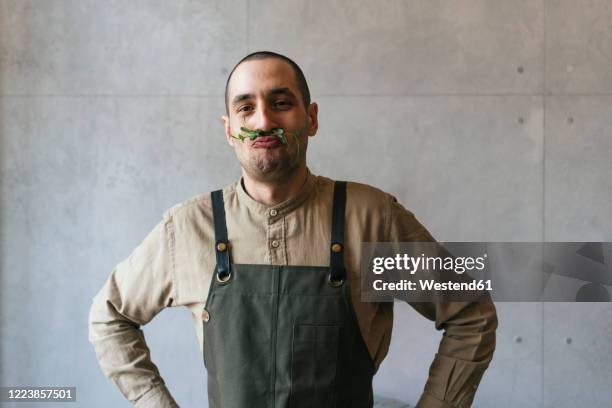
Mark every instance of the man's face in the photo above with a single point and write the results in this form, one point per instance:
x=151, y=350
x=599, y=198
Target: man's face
x=263, y=95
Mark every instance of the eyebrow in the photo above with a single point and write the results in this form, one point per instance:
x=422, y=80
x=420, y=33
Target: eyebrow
x=281, y=91
x=276, y=91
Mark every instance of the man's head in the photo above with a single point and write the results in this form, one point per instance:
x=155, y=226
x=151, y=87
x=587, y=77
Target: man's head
x=265, y=91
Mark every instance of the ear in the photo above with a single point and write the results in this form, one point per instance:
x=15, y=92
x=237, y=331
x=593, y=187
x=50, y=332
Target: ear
x=228, y=130
x=313, y=121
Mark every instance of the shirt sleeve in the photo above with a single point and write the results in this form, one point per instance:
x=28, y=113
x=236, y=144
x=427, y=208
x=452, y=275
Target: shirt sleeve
x=137, y=289
x=468, y=340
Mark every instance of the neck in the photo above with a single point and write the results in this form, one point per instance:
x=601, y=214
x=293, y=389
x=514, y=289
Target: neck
x=275, y=192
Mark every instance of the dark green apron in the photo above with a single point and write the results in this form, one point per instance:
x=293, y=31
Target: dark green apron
x=284, y=336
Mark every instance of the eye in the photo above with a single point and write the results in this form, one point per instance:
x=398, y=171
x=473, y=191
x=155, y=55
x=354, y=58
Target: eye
x=282, y=104
x=244, y=108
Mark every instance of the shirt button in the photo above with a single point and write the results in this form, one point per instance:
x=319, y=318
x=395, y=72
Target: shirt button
x=275, y=244
x=273, y=213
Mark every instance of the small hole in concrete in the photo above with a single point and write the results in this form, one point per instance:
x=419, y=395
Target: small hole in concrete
x=520, y=70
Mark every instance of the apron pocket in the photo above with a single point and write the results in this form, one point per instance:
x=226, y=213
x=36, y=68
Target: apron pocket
x=314, y=356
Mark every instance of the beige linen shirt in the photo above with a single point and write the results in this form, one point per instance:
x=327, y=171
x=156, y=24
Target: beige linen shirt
x=174, y=264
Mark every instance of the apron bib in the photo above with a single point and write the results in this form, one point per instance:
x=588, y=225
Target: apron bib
x=279, y=336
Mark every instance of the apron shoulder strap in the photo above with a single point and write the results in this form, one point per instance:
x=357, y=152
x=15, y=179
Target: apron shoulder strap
x=336, y=260
x=221, y=242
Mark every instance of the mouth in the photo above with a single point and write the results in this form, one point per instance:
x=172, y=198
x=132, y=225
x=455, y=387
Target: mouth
x=266, y=142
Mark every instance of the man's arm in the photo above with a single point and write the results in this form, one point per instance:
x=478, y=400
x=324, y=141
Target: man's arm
x=468, y=341
x=136, y=290
x=464, y=353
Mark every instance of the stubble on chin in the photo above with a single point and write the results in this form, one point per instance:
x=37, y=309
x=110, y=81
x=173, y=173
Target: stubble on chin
x=269, y=169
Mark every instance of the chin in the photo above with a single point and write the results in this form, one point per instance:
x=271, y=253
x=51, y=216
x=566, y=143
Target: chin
x=270, y=170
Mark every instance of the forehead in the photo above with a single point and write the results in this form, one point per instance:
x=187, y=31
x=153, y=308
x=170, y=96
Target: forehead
x=255, y=76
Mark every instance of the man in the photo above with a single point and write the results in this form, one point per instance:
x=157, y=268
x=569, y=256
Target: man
x=269, y=268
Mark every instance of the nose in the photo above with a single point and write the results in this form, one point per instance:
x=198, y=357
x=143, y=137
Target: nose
x=262, y=119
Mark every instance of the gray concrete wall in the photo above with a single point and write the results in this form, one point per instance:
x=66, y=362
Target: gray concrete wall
x=493, y=121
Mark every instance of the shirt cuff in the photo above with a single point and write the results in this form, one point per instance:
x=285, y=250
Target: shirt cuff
x=157, y=397
x=429, y=401
x=453, y=382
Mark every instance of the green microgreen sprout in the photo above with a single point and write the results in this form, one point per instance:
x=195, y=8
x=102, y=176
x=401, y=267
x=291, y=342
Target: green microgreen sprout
x=246, y=133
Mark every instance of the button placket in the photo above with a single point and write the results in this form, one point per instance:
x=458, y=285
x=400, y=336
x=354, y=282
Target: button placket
x=275, y=238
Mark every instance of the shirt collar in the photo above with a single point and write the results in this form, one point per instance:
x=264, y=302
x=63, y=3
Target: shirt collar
x=281, y=208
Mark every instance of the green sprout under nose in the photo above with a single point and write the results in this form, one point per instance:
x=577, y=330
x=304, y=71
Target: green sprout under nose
x=246, y=133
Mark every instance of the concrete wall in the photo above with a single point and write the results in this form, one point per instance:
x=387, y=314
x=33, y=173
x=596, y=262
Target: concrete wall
x=493, y=121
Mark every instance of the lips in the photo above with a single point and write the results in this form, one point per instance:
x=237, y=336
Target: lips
x=266, y=142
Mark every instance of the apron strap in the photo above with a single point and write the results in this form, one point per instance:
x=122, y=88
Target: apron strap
x=336, y=259
x=221, y=242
